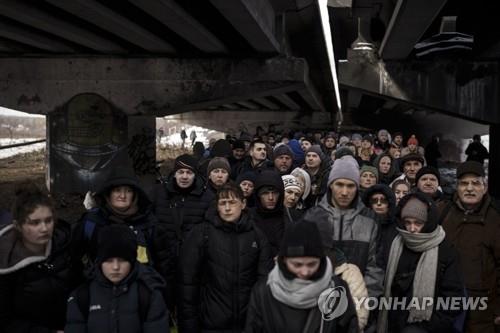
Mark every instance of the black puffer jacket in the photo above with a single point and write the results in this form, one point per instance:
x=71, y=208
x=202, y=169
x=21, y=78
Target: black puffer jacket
x=268, y=315
x=116, y=308
x=34, y=289
x=386, y=225
x=219, y=264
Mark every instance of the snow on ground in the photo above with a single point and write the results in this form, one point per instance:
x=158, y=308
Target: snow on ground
x=4, y=153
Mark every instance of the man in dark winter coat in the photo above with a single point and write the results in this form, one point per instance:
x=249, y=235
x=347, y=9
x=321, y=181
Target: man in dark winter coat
x=422, y=265
x=270, y=216
x=476, y=151
x=111, y=302
x=410, y=164
x=472, y=225
x=318, y=165
x=344, y=222
x=256, y=161
x=297, y=295
x=220, y=262
x=179, y=204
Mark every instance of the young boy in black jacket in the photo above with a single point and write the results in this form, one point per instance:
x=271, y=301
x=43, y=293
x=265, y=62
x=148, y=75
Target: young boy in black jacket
x=124, y=296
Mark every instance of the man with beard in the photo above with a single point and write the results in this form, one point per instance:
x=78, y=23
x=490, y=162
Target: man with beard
x=283, y=159
x=257, y=159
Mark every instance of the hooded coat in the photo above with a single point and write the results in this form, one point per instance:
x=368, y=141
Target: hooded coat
x=393, y=171
x=115, y=308
x=386, y=225
x=449, y=279
x=34, y=289
x=220, y=263
x=355, y=233
x=272, y=222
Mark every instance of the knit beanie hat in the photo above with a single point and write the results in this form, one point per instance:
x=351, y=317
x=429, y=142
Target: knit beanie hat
x=302, y=239
x=343, y=140
x=426, y=170
x=248, y=175
x=307, y=181
x=356, y=136
x=343, y=151
x=290, y=182
x=413, y=140
x=368, y=168
x=116, y=241
x=238, y=144
x=414, y=208
x=346, y=168
x=218, y=163
x=282, y=149
x=473, y=167
x=185, y=161
x=221, y=148
x=316, y=149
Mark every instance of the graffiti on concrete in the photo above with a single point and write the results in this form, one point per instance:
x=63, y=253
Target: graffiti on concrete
x=142, y=151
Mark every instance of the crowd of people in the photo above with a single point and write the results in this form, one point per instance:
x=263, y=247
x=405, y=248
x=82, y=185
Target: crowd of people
x=250, y=234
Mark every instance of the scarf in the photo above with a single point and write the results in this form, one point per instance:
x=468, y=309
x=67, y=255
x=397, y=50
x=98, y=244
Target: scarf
x=298, y=293
x=424, y=281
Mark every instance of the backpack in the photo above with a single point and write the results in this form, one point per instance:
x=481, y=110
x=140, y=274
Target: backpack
x=83, y=300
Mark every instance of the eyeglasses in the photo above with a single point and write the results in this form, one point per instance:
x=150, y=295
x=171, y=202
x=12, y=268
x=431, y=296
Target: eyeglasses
x=378, y=201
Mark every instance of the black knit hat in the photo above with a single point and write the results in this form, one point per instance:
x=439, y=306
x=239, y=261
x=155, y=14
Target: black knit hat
x=426, y=170
x=368, y=138
x=282, y=150
x=239, y=144
x=302, y=239
x=247, y=175
x=185, y=161
x=473, y=167
x=116, y=241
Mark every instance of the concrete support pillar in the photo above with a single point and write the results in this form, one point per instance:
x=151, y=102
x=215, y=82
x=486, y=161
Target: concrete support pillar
x=88, y=138
x=494, y=161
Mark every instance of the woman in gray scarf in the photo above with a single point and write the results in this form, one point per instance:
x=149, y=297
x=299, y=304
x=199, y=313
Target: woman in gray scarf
x=422, y=275
x=301, y=294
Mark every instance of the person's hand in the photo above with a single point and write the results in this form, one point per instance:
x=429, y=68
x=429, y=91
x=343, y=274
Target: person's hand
x=497, y=320
x=89, y=201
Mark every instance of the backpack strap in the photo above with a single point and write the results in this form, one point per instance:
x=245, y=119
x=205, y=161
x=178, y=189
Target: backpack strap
x=82, y=295
x=144, y=300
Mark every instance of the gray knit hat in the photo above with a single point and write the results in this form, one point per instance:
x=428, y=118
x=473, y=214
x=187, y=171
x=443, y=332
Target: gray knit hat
x=316, y=149
x=369, y=168
x=416, y=209
x=218, y=163
x=346, y=168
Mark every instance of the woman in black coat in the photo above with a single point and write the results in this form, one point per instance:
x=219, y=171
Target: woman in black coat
x=36, y=272
x=422, y=264
x=302, y=293
x=220, y=262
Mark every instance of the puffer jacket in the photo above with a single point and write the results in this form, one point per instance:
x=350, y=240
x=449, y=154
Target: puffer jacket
x=475, y=235
x=34, y=289
x=355, y=233
x=116, y=308
x=220, y=263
